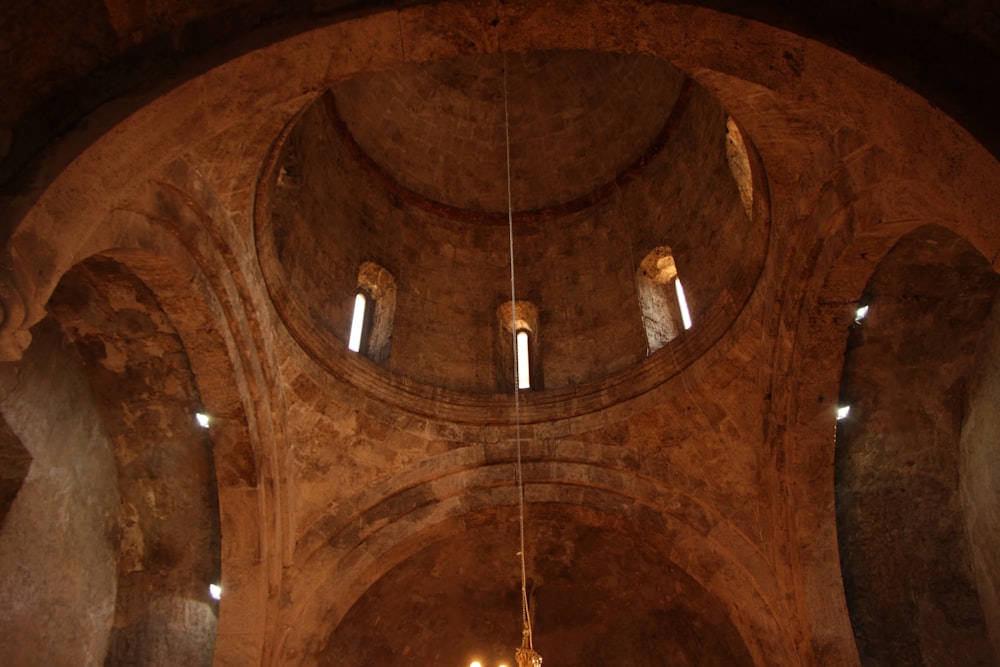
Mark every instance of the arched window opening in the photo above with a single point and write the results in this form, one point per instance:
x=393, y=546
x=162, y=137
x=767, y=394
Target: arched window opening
x=662, y=301
x=682, y=304
x=374, y=310
x=523, y=361
x=517, y=347
x=739, y=164
x=361, y=312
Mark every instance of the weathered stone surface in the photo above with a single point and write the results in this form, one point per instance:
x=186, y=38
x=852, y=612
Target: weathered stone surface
x=330, y=204
x=79, y=55
x=624, y=616
x=58, y=542
x=905, y=550
x=168, y=526
x=15, y=461
x=979, y=473
x=680, y=504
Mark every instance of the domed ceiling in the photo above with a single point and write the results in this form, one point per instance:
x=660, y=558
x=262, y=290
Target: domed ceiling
x=577, y=121
x=678, y=489
x=616, y=161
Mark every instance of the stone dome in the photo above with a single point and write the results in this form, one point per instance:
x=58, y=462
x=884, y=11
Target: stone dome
x=195, y=195
x=614, y=158
x=578, y=120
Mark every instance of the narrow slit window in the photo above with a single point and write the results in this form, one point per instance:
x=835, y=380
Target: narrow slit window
x=374, y=311
x=523, y=361
x=683, y=304
x=739, y=165
x=663, y=304
x=358, y=323
x=517, y=348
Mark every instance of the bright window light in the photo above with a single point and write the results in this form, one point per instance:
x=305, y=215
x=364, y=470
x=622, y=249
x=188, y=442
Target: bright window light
x=843, y=411
x=354, y=344
x=202, y=419
x=476, y=664
x=682, y=302
x=860, y=314
x=215, y=590
x=523, y=365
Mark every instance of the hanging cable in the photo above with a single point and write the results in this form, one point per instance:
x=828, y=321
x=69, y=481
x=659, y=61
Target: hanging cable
x=526, y=655
x=525, y=614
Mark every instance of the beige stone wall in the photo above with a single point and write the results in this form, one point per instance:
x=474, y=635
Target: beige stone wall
x=58, y=576
x=980, y=480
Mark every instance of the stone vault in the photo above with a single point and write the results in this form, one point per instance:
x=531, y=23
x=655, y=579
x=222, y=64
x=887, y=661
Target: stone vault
x=196, y=244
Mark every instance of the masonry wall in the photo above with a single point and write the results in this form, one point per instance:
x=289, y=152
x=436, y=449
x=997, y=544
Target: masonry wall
x=899, y=466
x=57, y=544
x=980, y=473
x=332, y=209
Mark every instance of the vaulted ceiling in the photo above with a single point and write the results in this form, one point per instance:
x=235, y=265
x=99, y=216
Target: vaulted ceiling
x=193, y=195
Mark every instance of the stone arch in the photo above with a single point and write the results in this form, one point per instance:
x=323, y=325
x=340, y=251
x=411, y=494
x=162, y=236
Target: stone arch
x=166, y=518
x=155, y=262
x=170, y=249
x=858, y=219
x=898, y=467
x=652, y=616
x=802, y=429
x=173, y=249
x=386, y=524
